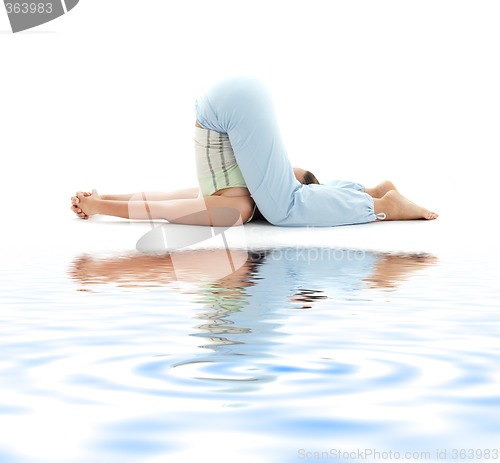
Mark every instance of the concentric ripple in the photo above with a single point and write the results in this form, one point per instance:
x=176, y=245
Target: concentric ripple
x=145, y=358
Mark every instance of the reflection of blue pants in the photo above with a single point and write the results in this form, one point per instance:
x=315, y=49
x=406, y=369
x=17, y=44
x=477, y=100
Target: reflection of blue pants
x=243, y=108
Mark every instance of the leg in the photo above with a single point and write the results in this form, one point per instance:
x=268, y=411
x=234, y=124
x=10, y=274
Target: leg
x=377, y=192
x=344, y=184
x=381, y=189
x=242, y=108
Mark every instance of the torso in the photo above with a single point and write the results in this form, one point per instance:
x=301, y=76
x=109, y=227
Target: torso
x=232, y=191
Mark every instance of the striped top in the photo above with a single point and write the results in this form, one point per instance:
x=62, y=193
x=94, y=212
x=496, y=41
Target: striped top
x=215, y=162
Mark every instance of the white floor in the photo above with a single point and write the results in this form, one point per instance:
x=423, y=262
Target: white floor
x=446, y=235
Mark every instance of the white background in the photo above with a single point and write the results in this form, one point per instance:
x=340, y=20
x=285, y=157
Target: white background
x=103, y=97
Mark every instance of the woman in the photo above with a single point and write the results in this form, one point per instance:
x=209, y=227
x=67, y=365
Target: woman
x=236, y=124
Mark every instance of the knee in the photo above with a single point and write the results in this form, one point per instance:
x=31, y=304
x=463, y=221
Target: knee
x=244, y=89
x=244, y=84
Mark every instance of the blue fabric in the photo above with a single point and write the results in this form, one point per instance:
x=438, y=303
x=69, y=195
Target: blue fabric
x=345, y=184
x=242, y=107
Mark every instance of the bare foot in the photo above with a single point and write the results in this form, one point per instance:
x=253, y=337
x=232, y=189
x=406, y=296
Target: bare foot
x=392, y=269
x=381, y=189
x=397, y=207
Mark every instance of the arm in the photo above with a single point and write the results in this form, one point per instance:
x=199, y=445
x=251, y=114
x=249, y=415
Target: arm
x=211, y=210
x=186, y=193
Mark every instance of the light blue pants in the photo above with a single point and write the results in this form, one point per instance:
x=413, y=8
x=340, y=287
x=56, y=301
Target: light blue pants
x=242, y=107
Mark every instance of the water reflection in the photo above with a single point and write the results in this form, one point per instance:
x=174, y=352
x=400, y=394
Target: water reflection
x=350, y=269
x=244, y=311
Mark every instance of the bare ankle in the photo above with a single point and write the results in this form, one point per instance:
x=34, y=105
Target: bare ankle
x=386, y=205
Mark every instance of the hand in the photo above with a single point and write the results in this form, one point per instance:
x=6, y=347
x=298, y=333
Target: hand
x=75, y=206
x=88, y=204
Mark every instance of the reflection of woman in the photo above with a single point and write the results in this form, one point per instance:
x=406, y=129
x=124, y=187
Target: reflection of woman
x=242, y=164
x=325, y=268
x=241, y=311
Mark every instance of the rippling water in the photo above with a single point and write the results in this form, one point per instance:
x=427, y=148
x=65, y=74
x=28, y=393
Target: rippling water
x=154, y=358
